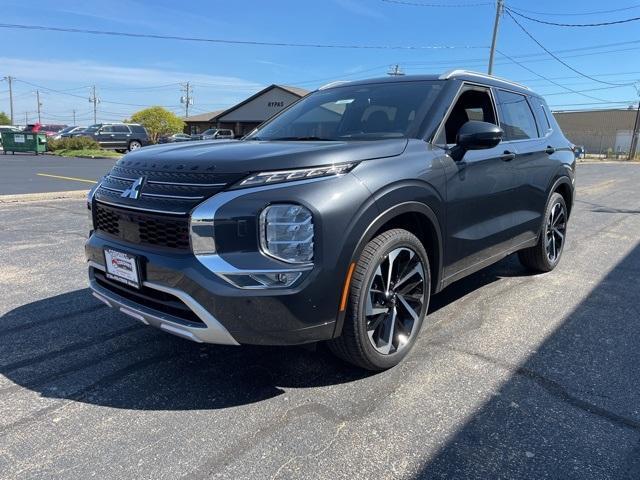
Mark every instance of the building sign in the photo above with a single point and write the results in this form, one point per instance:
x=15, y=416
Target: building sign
x=276, y=104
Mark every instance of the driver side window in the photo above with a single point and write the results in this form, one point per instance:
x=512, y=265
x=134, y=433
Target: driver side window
x=473, y=103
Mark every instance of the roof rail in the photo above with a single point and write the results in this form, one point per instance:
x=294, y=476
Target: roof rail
x=459, y=72
x=333, y=84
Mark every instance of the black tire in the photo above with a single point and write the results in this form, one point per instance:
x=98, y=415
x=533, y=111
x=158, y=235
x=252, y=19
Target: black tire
x=355, y=345
x=121, y=150
x=538, y=258
x=134, y=145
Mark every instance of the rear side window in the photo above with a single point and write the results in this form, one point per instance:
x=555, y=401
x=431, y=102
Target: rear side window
x=541, y=115
x=517, y=119
x=121, y=129
x=138, y=129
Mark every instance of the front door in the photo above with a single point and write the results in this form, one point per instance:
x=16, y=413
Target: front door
x=480, y=191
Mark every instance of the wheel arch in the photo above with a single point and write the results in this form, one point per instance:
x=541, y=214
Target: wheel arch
x=419, y=219
x=564, y=187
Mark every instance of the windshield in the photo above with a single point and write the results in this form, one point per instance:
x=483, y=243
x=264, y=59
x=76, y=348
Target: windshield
x=211, y=131
x=356, y=112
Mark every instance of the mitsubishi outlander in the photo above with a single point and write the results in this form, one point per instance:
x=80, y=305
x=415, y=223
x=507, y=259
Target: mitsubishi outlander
x=337, y=219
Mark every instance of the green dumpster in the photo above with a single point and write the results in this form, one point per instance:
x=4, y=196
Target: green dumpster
x=24, y=142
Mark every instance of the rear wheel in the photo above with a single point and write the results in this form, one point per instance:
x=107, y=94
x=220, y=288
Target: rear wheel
x=388, y=301
x=134, y=145
x=545, y=255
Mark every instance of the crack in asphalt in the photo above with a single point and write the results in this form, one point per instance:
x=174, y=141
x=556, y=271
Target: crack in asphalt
x=554, y=388
x=82, y=394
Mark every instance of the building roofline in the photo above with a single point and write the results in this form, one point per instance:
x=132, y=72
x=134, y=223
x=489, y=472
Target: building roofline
x=273, y=86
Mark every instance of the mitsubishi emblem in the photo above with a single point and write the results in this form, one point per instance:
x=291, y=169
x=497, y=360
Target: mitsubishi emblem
x=134, y=190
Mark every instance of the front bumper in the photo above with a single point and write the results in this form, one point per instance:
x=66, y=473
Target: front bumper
x=219, y=312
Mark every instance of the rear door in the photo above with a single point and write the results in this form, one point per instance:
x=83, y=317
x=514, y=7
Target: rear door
x=121, y=136
x=530, y=138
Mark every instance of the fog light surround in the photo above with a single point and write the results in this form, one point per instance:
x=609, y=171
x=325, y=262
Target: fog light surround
x=286, y=233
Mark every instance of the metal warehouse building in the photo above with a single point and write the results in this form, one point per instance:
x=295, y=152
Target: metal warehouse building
x=599, y=131
x=248, y=114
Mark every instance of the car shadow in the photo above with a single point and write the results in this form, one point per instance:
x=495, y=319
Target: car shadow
x=73, y=347
x=570, y=409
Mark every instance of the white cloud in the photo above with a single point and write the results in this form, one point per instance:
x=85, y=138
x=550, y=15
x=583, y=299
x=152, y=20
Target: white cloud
x=359, y=8
x=82, y=72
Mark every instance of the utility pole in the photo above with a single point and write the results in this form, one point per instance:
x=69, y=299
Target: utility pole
x=395, y=71
x=93, y=98
x=26, y=118
x=39, y=105
x=187, y=98
x=9, y=80
x=494, y=40
x=634, y=136
x=74, y=116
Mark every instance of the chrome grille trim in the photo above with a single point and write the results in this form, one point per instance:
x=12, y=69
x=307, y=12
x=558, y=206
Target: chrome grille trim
x=131, y=207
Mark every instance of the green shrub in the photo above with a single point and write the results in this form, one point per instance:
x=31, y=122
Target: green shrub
x=73, y=143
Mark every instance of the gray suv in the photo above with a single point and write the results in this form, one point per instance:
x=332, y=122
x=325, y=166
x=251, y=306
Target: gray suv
x=338, y=219
x=121, y=137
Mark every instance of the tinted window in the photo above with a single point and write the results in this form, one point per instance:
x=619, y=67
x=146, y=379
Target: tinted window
x=120, y=129
x=517, y=119
x=138, y=129
x=107, y=129
x=355, y=112
x=541, y=116
x=474, y=103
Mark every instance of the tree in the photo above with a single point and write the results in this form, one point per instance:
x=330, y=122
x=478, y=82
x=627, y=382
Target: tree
x=158, y=121
x=4, y=120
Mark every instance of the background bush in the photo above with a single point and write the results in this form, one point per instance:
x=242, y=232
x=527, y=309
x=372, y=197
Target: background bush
x=73, y=143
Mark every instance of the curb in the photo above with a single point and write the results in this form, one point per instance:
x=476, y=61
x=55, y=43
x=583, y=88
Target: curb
x=34, y=197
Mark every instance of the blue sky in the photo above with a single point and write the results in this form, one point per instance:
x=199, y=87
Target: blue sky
x=131, y=71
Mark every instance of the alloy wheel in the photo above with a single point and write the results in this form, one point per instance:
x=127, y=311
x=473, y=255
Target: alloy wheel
x=134, y=145
x=395, y=300
x=555, y=232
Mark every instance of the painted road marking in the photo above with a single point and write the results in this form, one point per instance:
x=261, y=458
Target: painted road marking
x=60, y=177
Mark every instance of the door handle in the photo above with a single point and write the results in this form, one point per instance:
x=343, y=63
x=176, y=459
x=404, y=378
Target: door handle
x=549, y=150
x=507, y=156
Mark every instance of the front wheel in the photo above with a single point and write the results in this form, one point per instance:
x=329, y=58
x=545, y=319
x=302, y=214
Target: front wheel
x=388, y=300
x=545, y=255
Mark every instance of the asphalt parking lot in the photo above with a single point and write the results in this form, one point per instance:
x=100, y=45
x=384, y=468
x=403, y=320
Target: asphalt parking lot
x=517, y=376
x=24, y=174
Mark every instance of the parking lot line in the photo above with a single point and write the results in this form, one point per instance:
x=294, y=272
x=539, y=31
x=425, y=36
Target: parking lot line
x=60, y=177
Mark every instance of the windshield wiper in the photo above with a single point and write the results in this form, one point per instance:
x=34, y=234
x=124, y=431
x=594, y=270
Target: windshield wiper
x=303, y=139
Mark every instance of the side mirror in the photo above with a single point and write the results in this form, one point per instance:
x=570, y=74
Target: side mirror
x=475, y=135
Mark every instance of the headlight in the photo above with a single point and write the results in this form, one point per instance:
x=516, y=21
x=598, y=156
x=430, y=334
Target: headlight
x=286, y=233
x=265, y=178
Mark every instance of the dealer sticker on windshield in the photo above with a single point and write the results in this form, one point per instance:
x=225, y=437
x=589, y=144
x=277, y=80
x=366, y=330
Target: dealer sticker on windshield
x=122, y=267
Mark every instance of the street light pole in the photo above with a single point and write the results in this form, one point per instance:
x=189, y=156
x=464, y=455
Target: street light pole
x=494, y=40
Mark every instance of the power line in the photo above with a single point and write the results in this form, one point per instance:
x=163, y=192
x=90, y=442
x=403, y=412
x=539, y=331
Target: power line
x=548, y=79
x=438, y=5
x=556, y=57
x=232, y=42
x=600, y=24
x=572, y=14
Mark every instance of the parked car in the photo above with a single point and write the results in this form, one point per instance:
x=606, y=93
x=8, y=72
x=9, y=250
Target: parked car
x=176, y=137
x=48, y=129
x=117, y=136
x=337, y=219
x=67, y=132
x=215, y=134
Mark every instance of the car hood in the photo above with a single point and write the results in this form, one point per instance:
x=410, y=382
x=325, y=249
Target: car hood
x=252, y=156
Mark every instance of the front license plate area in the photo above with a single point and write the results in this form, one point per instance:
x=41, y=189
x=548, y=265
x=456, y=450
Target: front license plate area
x=122, y=267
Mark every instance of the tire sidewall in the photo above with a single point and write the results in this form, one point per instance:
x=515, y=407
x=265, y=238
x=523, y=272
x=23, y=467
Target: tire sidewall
x=134, y=142
x=359, y=306
x=553, y=200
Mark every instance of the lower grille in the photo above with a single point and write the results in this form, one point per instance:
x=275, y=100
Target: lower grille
x=149, y=297
x=144, y=229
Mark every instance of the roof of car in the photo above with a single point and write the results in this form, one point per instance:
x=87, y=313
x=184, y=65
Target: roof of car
x=457, y=74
